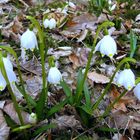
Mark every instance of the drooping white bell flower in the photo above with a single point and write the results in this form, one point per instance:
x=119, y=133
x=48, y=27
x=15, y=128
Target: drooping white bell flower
x=54, y=76
x=126, y=78
x=10, y=74
x=107, y=46
x=137, y=91
x=28, y=40
x=49, y=23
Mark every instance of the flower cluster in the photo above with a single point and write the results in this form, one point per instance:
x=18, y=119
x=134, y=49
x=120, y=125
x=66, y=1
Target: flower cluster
x=49, y=23
x=10, y=74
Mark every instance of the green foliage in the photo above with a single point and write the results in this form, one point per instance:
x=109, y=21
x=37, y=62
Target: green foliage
x=133, y=44
x=97, y=6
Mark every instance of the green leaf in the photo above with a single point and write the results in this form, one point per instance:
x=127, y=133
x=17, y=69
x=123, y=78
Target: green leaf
x=87, y=109
x=133, y=43
x=87, y=94
x=79, y=80
x=57, y=108
x=43, y=128
x=67, y=91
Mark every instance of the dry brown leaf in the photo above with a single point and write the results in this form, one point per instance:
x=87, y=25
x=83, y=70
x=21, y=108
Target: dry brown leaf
x=34, y=86
x=75, y=60
x=4, y=129
x=79, y=24
x=65, y=121
x=98, y=78
x=121, y=104
x=10, y=110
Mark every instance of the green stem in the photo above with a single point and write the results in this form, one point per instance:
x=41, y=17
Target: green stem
x=111, y=105
x=109, y=84
x=43, y=96
x=104, y=25
x=10, y=90
x=10, y=50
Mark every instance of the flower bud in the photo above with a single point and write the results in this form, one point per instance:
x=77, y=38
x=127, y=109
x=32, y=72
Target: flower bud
x=33, y=118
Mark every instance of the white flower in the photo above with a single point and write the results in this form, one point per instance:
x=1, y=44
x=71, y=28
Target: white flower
x=54, y=76
x=10, y=74
x=33, y=118
x=49, y=23
x=137, y=91
x=107, y=46
x=111, y=5
x=126, y=78
x=71, y=4
x=28, y=40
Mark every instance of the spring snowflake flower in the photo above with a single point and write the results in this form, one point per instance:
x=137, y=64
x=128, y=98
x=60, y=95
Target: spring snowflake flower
x=107, y=46
x=137, y=91
x=126, y=78
x=28, y=40
x=49, y=23
x=10, y=74
x=54, y=76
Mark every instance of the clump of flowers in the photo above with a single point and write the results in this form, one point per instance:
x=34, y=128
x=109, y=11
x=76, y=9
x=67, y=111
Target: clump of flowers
x=10, y=74
x=49, y=23
x=107, y=46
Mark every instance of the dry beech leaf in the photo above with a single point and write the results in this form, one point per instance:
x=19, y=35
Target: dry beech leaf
x=34, y=86
x=10, y=110
x=65, y=121
x=79, y=24
x=123, y=120
x=75, y=60
x=121, y=104
x=4, y=129
x=59, y=53
x=98, y=78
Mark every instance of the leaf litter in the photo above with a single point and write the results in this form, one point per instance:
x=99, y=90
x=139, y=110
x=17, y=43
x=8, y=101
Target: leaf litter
x=124, y=115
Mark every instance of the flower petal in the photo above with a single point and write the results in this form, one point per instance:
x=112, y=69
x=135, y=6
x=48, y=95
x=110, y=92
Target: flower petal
x=2, y=82
x=137, y=91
